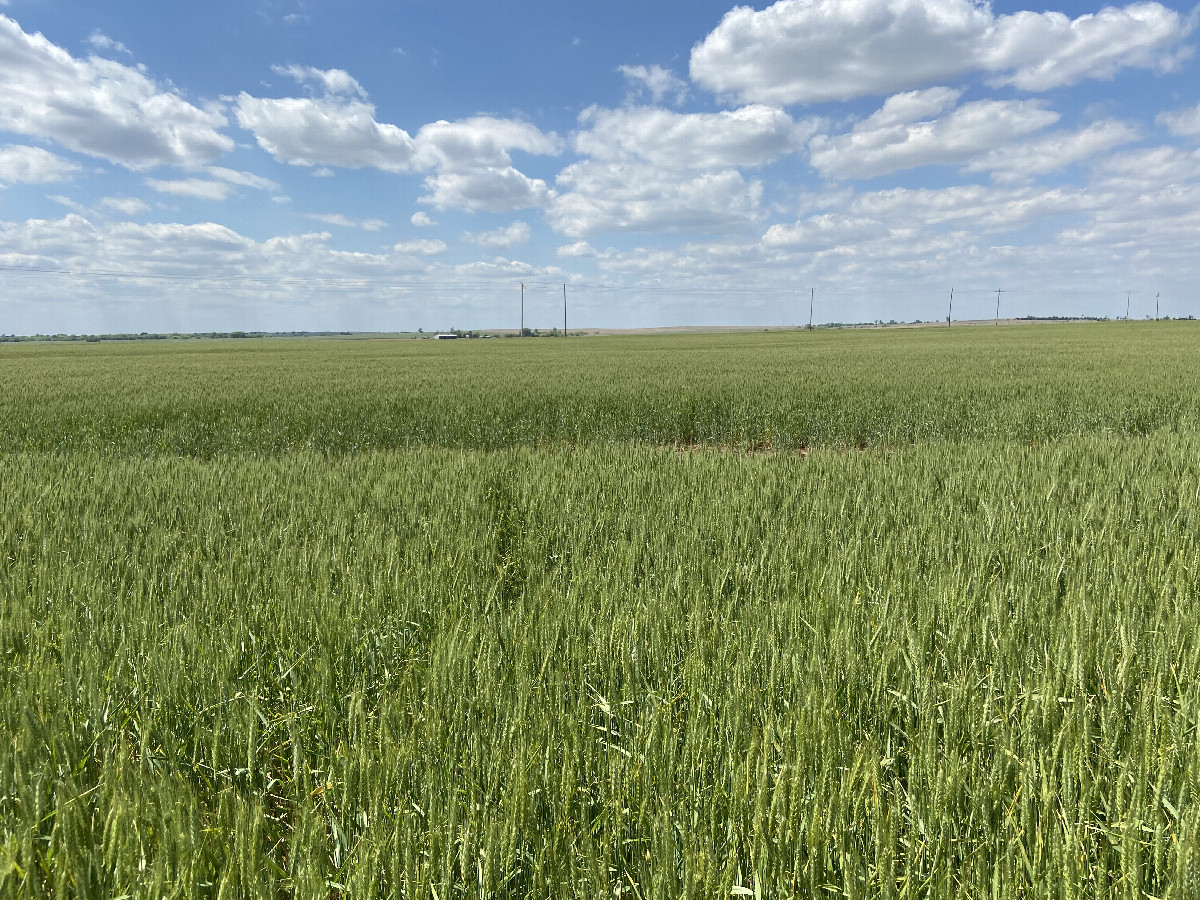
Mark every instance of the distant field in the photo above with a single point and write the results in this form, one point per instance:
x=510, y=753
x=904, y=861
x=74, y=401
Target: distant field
x=573, y=619
x=788, y=390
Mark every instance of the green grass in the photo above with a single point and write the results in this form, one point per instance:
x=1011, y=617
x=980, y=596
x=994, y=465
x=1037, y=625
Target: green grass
x=788, y=389
x=248, y=660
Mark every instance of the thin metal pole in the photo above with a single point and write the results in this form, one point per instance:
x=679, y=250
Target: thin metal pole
x=1156, y=307
x=812, y=293
x=950, y=311
x=522, y=332
x=1128, y=294
x=564, y=310
x=998, y=293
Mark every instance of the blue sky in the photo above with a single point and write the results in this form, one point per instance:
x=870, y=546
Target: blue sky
x=287, y=165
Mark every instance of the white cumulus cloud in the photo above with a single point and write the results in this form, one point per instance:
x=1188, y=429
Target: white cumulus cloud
x=750, y=136
x=597, y=196
x=196, y=188
x=333, y=81
x=126, y=206
x=218, y=186
x=423, y=247
x=470, y=160
x=1054, y=151
x=812, y=51
x=474, y=166
x=655, y=81
x=577, y=250
x=325, y=131
x=20, y=164
x=825, y=232
x=100, y=107
x=1181, y=121
x=909, y=130
x=102, y=41
x=652, y=169
x=242, y=179
x=1147, y=170
x=1000, y=137
x=501, y=238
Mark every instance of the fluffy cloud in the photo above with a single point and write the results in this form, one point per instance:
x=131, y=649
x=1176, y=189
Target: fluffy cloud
x=600, y=197
x=750, y=136
x=899, y=136
x=915, y=129
x=325, y=131
x=126, y=206
x=101, y=41
x=484, y=188
x=100, y=107
x=652, y=169
x=291, y=265
x=242, y=179
x=577, y=250
x=811, y=51
x=1054, y=151
x=1149, y=227
x=891, y=223
x=218, y=187
x=824, y=232
x=502, y=238
x=422, y=220
x=196, y=188
x=77, y=243
x=471, y=158
x=982, y=208
x=33, y=165
x=1148, y=170
x=1181, y=121
x=655, y=81
x=474, y=167
x=422, y=247
x=333, y=81
x=1040, y=51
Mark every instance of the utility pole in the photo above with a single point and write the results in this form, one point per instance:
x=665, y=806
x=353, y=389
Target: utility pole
x=812, y=293
x=950, y=311
x=564, y=310
x=998, y=293
x=1156, y=307
x=522, y=331
x=1128, y=294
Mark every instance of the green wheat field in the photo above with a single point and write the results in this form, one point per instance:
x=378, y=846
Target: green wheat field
x=847, y=613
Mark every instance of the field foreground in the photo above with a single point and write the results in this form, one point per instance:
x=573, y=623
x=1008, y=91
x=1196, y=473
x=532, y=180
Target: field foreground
x=493, y=619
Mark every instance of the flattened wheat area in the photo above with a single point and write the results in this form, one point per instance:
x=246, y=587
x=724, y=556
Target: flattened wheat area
x=833, y=613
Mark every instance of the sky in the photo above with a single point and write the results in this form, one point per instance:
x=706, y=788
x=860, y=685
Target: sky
x=279, y=165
